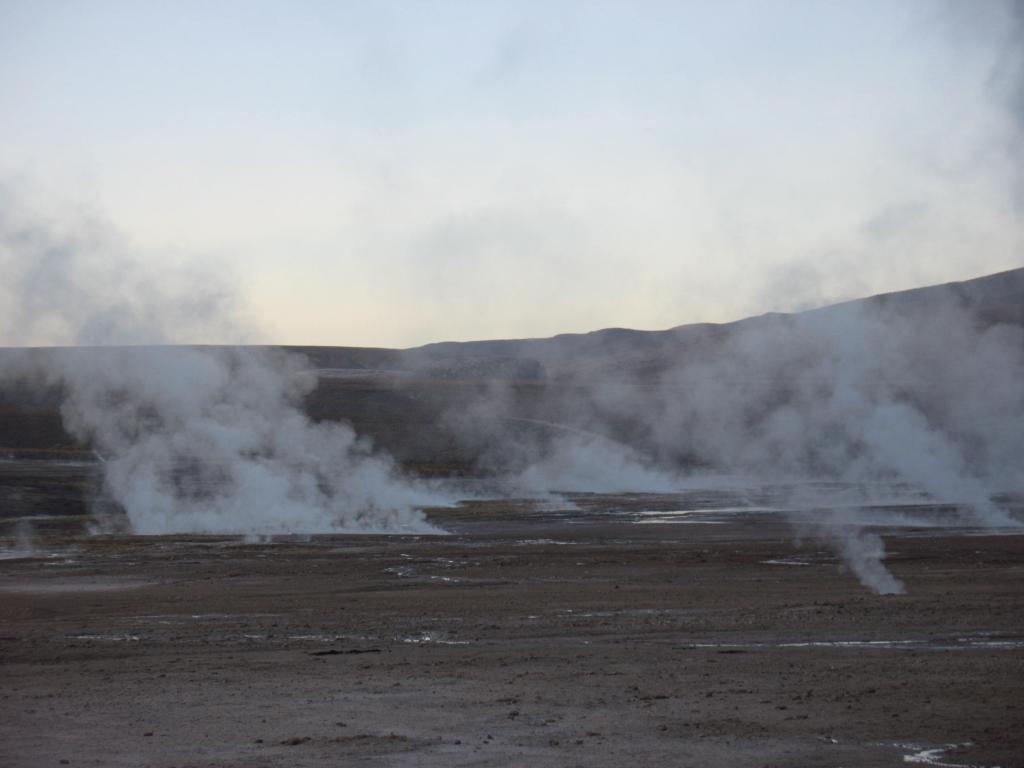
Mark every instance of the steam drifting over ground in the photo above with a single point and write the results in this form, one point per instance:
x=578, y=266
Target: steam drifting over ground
x=193, y=439
x=919, y=390
x=214, y=441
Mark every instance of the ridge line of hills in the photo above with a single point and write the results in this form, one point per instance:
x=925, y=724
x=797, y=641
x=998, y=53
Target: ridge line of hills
x=410, y=401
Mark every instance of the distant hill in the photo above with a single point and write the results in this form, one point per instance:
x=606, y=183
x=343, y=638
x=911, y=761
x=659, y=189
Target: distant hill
x=441, y=407
x=623, y=351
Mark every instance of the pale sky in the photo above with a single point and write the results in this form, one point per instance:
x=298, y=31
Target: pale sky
x=379, y=173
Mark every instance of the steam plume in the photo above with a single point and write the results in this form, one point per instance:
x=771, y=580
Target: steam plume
x=919, y=391
x=194, y=439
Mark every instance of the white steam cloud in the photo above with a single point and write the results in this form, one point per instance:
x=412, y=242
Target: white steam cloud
x=193, y=439
x=921, y=391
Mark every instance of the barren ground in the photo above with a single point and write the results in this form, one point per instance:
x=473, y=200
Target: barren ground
x=525, y=638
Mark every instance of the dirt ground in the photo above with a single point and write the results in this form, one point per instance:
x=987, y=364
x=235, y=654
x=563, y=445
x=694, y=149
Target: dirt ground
x=523, y=639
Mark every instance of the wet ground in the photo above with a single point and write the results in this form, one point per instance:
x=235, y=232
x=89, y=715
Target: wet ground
x=588, y=630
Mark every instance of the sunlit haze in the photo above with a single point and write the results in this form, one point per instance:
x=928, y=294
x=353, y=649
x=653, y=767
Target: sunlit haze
x=398, y=173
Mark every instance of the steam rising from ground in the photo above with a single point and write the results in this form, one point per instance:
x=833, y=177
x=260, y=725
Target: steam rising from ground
x=593, y=465
x=923, y=391
x=215, y=441
x=860, y=393
x=860, y=550
x=193, y=439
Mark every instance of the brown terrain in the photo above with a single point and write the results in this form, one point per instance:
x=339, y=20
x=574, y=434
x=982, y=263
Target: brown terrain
x=581, y=630
x=527, y=637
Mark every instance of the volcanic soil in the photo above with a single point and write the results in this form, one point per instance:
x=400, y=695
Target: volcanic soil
x=522, y=639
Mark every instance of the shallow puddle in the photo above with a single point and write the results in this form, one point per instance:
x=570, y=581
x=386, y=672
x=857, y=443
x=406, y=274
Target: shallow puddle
x=437, y=638
x=106, y=585
x=981, y=643
x=934, y=756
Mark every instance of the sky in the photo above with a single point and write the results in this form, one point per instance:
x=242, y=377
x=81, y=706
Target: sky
x=396, y=173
